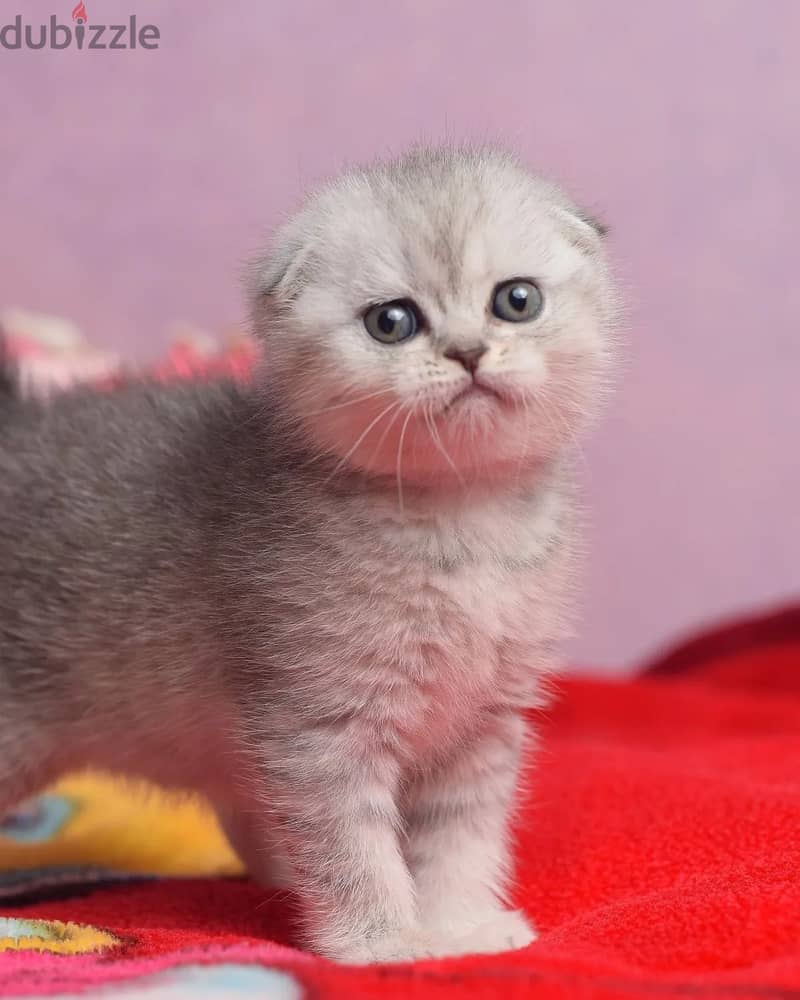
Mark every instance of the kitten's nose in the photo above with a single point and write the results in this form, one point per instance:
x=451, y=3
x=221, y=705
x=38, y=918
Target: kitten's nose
x=469, y=357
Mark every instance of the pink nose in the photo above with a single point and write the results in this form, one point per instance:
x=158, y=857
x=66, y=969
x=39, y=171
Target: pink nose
x=468, y=357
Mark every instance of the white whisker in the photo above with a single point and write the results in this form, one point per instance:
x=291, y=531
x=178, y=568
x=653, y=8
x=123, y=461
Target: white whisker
x=400, y=462
x=382, y=438
x=437, y=441
x=345, y=403
x=361, y=437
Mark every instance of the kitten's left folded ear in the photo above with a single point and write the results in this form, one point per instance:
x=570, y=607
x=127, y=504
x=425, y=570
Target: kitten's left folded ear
x=584, y=230
x=597, y=224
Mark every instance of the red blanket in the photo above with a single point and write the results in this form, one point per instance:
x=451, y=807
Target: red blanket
x=658, y=855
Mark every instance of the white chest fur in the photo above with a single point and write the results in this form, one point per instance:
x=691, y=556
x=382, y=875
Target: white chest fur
x=440, y=617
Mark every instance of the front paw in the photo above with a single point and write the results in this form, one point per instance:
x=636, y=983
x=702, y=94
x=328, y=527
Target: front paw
x=492, y=932
x=504, y=930
x=406, y=947
x=482, y=931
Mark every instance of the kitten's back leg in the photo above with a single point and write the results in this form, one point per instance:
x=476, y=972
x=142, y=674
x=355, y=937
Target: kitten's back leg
x=250, y=837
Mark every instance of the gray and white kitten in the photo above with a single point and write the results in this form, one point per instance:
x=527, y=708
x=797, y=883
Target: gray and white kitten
x=325, y=600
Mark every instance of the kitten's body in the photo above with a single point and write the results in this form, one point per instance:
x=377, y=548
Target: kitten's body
x=196, y=588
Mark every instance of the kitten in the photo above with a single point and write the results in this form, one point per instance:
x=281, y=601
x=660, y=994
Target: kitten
x=325, y=600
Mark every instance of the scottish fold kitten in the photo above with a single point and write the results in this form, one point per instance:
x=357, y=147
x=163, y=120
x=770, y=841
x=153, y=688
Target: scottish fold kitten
x=325, y=600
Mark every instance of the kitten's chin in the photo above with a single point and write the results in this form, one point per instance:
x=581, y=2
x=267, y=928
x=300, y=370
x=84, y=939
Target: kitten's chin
x=481, y=442
x=475, y=397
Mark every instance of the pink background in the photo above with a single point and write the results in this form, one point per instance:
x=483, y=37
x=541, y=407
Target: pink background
x=135, y=183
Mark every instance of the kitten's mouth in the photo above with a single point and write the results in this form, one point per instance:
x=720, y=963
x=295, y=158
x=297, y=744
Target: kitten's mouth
x=475, y=390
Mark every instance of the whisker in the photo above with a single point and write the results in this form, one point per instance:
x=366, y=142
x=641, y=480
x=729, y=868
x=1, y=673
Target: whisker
x=400, y=462
x=347, y=402
x=437, y=441
x=361, y=437
x=389, y=426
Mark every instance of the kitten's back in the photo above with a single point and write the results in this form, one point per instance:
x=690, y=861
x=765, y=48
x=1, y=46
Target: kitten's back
x=104, y=503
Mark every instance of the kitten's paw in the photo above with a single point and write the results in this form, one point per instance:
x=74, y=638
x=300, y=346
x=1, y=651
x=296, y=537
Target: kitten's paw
x=397, y=948
x=506, y=930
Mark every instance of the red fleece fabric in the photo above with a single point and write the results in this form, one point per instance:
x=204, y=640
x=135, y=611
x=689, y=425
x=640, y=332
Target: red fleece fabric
x=658, y=854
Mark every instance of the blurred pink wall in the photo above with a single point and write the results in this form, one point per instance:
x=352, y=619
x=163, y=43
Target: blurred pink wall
x=134, y=183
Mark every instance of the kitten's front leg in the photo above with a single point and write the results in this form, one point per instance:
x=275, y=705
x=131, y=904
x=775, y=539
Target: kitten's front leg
x=458, y=841
x=334, y=814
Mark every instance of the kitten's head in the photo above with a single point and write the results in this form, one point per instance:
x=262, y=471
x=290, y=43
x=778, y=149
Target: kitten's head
x=443, y=316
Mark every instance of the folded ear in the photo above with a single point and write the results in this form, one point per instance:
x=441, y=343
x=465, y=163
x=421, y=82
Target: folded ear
x=278, y=274
x=591, y=220
x=583, y=229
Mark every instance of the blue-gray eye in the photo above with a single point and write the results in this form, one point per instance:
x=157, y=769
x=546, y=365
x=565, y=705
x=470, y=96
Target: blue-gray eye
x=517, y=301
x=392, y=322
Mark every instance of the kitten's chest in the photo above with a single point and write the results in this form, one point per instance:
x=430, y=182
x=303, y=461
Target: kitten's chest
x=452, y=624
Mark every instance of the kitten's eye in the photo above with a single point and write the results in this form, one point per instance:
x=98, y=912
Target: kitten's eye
x=517, y=301
x=392, y=322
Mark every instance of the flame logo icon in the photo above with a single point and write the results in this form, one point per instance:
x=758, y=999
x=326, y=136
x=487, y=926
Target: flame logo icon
x=79, y=12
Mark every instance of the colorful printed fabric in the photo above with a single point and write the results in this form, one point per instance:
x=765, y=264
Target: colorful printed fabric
x=92, y=828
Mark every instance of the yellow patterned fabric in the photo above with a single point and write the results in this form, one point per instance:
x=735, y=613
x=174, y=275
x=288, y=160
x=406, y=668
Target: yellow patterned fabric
x=53, y=936
x=109, y=823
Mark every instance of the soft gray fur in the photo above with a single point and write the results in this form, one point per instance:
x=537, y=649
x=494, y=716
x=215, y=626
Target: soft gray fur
x=325, y=599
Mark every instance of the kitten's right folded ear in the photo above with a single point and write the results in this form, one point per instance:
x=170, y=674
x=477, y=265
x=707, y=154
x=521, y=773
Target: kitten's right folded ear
x=279, y=275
